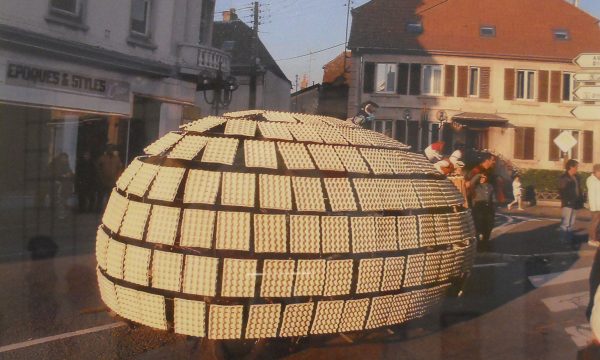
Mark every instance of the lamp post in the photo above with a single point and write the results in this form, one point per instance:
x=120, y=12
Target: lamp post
x=221, y=86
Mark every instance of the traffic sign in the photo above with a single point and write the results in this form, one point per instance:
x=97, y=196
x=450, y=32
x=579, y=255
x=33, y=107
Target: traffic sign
x=587, y=93
x=565, y=141
x=587, y=112
x=588, y=61
x=589, y=77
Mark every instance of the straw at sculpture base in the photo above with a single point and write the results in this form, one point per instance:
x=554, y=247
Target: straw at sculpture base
x=267, y=224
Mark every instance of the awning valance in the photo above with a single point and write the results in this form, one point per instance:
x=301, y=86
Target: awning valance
x=479, y=119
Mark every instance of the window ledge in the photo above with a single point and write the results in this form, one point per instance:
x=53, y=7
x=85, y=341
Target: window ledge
x=478, y=99
x=140, y=41
x=525, y=102
x=70, y=22
x=430, y=96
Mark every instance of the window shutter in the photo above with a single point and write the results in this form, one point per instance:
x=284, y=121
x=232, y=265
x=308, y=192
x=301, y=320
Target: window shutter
x=449, y=81
x=588, y=146
x=509, y=84
x=463, y=81
x=555, y=86
x=554, y=154
x=543, y=86
x=519, y=146
x=529, y=143
x=402, y=87
x=415, y=79
x=369, y=78
x=484, y=83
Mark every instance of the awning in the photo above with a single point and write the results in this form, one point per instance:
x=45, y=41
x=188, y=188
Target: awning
x=479, y=120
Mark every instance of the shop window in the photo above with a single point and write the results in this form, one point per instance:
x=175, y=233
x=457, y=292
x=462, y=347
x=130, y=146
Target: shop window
x=385, y=78
x=474, y=81
x=524, y=143
x=525, y=84
x=432, y=80
x=568, y=86
x=401, y=131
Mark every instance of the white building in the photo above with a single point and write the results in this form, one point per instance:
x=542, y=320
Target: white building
x=76, y=75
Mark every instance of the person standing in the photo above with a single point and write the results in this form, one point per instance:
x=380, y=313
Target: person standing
x=483, y=208
x=593, y=188
x=571, y=197
x=109, y=168
x=517, y=193
x=85, y=182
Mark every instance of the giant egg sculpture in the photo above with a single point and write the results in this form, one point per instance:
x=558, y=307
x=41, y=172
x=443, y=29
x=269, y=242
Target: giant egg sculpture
x=266, y=224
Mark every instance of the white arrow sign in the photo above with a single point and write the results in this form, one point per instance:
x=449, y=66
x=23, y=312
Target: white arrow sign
x=587, y=112
x=591, y=77
x=587, y=93
x=588, y=61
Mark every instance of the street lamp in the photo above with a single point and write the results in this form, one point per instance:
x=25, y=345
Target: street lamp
x=221, y=87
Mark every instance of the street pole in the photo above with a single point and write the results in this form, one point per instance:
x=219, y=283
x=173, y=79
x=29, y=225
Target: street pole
x=346, y=38
x=253, y=58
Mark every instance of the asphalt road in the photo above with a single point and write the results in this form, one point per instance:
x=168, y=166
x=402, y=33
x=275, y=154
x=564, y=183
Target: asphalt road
x=525, y=299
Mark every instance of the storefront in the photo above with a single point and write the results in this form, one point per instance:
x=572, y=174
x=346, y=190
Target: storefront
x=58, y=120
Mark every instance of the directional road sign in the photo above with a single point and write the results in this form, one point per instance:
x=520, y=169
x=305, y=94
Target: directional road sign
x=588, y=61
x=587, y=93
x=587, y=112
x=589, y=77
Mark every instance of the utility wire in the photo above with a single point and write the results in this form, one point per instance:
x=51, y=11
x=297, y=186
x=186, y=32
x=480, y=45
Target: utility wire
x=312, y=52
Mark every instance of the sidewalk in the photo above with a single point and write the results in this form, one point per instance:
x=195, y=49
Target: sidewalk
x=543, y=211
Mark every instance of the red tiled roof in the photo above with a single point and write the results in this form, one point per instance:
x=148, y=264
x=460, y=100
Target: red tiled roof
x=524, y=28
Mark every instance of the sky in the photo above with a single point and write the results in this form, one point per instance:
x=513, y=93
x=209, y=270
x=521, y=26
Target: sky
x=293, y=28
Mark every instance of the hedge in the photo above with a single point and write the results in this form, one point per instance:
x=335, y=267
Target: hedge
x=547, y=180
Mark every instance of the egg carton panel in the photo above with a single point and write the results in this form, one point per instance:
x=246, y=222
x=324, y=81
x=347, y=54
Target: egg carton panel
x=335, y=234
x=205, y=124
x=277, y=278
x=164, y=222
x=188, y=148
x=233, y=231
x=310, y=277
x=166, y=270
x=241, y=127
x=238, y=189
x=166, y=184
x=134, y=222
x=327, y=317
x=270, y=233
x=308, y=193
x=143, y=178
x=295, y=156
x=369, y=275
x=202, y=187
x=163, y=144
x=260, y=154
x=305, y=234
x=220, y=151
x=263, y=321
x=190, y=317
x=225, y=322
x=339, y=277
x=340, y=194
x=239, y=278
x=200, y=275
x=197, y=228
x=325, y=157
x=275, y=192
x=354, y=315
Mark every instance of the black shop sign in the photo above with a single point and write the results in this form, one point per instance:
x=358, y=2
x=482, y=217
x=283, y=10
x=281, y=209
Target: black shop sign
x=60, y=80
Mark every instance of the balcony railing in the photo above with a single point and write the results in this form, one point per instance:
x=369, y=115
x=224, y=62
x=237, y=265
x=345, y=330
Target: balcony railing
x=194, y=59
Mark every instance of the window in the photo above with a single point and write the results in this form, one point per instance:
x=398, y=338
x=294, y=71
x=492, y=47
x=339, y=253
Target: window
x=432, y=80
x=582, y=151
x=67, y=7
x=568, y=86
x=415, y=27
x=384, y=127
x=386, y=78
x=487, y=31
x=561, y=35
x=525, y=84
x=524, y=143
x=140, y=17
x=474, y=81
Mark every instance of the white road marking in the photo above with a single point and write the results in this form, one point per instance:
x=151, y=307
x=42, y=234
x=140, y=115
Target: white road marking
x=490, y=265
x=560, y=277
x=581, y=334
x=567, y=302
x=39, y=341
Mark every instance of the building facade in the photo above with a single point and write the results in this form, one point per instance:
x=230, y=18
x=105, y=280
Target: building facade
x=272, y=92
x=494, y=75
x=80, y=76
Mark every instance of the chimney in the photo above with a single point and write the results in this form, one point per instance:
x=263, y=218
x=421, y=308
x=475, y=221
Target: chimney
x=229, y=15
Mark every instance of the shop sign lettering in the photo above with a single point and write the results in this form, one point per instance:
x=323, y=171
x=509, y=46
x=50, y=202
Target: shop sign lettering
x=34, y=76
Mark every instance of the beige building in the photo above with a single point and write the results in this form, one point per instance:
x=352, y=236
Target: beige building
x=493, y=75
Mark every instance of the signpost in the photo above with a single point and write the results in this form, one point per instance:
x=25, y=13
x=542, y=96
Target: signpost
x=590, y=91
x=587, y=112
x=565, y=141
x=587, y=93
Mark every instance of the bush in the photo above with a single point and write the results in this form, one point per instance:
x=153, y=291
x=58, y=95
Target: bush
x=547, y=180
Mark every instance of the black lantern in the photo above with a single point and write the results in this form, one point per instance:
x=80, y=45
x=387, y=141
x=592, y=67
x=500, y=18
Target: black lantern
x=222, y=88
